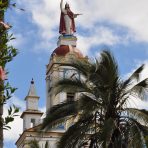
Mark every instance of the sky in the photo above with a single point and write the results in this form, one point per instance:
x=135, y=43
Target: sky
x=118, y=25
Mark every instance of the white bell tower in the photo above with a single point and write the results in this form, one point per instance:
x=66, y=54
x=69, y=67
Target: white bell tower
x=31, y=116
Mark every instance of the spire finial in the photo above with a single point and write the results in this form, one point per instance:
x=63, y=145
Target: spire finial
x=32, y=81
x=32, y=90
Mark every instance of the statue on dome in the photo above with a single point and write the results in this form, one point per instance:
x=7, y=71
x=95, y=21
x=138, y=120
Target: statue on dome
x=67, y=22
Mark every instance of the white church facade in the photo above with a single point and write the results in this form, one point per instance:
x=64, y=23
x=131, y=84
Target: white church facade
x=65, y=52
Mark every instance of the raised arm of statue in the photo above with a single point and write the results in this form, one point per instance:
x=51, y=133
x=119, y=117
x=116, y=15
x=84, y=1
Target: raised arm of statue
x=61, y=5
x=67, y=22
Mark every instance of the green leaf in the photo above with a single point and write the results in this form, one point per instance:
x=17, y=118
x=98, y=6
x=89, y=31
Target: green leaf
x=10, y=111
x=16, y=110
x=8, y=119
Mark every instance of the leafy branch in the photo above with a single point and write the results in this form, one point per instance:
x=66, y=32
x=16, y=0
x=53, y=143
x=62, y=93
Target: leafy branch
x=7, y=53
x=12, y=113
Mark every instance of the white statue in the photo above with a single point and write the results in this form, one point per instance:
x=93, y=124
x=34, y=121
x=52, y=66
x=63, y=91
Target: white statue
x=67, y=23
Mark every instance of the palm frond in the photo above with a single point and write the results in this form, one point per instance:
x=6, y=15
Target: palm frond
x=132, y=132
x=140, y=114
x=57, y=114
x=84, y=67
x=88, y=104
x=143, y=83
x=140, y=89
x=76, y=133
x=135, y=75
x=128, y=120
x=136, y=137
x=109, y=63
x=103, y=135
x=67, y=85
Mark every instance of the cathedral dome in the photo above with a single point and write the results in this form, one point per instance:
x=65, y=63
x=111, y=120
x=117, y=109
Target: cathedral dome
x=63, y=50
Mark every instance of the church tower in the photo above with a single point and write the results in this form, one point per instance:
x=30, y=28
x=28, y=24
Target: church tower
x=65, y=53
x=31, y=116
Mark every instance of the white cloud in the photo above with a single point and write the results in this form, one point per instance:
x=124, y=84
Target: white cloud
x=44, y=15
x=128, y=14
x=101, y=35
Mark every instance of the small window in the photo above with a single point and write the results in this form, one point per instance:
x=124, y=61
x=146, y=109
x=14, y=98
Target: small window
x=32, y=122
x=70, y=97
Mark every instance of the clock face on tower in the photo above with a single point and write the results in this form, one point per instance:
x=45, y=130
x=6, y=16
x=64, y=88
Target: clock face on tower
x=71, y=74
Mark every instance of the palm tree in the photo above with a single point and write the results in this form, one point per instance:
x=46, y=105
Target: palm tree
x=104, y=116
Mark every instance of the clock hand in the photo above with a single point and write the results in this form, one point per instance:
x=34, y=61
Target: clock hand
x=73, y=75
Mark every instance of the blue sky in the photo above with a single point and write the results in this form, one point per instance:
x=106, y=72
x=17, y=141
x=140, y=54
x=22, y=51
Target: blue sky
x=120, y=26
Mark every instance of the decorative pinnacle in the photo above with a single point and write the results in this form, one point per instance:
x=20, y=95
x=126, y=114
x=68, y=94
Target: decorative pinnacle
x=32, y=90
x=32, y=81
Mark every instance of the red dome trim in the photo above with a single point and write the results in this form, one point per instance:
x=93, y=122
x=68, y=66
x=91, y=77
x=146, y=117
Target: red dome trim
x=64, y=49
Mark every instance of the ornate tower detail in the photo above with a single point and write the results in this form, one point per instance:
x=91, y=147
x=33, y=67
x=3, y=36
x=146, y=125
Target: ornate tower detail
x=31, y=116
x=66, y=52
